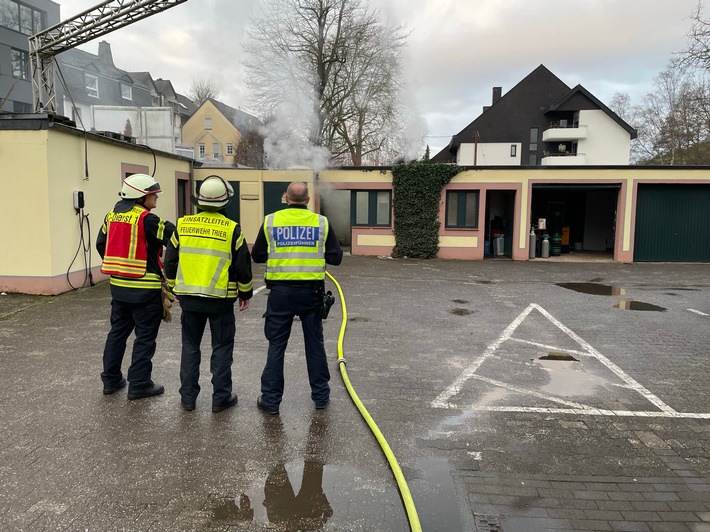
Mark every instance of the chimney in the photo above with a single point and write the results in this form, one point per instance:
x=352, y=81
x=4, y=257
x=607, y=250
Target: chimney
x=105, y=53
x=497, y=91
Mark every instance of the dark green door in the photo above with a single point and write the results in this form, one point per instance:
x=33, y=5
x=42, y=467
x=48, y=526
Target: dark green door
x=273, y=196
x=232, y=210
x=672, y=223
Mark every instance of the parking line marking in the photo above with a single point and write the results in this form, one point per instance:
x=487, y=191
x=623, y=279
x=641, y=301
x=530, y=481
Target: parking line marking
x=550, y=347
x=443, y=400
x=526, y=391
x=633, y=384
x=698, y=312
x=589, y=412
x=259, y=289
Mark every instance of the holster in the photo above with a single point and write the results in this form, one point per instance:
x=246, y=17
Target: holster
x=328, y=301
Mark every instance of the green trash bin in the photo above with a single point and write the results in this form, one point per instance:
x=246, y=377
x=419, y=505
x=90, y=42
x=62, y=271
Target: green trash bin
x=556, y=245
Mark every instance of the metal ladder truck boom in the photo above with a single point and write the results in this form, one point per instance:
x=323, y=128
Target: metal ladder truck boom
x=101, y=19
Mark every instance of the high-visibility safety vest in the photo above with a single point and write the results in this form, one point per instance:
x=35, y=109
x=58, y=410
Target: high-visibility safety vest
x=126, y=255
x=206, y=255
x=296, y=239
x=126, y=246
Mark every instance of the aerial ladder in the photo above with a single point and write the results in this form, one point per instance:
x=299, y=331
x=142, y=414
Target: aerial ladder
x=101, y=19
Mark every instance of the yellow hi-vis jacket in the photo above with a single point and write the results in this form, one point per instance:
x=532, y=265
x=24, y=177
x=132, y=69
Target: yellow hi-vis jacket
x=296, y=239
x=205, y=247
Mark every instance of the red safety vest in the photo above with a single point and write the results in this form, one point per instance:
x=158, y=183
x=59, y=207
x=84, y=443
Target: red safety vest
x=126, y=246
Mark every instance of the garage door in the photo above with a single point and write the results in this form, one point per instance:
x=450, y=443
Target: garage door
x=672, y=223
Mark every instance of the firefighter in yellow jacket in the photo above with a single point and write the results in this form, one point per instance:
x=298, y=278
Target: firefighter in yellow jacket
x=130, y=243
x=208, y=265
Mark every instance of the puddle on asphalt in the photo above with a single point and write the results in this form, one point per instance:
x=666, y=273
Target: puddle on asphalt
x=461, y=311
x=595, y=289
x=559, y=355
x=568, y=379
x=309, y=495
x=434, y=494
x=638, y=305
x=460, y=301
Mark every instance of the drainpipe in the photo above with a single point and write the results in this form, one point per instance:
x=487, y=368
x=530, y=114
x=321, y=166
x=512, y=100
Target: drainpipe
x=475, y=147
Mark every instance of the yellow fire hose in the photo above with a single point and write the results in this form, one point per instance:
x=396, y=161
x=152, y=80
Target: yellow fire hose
x=394, y=466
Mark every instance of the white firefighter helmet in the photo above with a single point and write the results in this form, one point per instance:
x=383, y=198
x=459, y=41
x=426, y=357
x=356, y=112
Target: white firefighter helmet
x=214, y=192
x=138, y=185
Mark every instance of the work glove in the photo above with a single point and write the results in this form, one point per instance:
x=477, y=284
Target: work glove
x=167, y=298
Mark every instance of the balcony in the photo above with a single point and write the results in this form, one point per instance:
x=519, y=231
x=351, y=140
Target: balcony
x=559, y=131
x=564, y=159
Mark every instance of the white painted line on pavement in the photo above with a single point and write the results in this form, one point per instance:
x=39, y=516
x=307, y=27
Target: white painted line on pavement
x=444, y=398
x=634, y=385
x=550, y=347
x=526, y=391
x=259, y=289
x=587, y=411
x=698, y=312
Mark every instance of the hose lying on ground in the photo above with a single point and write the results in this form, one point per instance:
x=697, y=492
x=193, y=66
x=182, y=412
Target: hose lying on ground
x=394, y=466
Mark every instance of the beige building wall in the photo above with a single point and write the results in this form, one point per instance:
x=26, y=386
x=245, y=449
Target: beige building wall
x=48, y=244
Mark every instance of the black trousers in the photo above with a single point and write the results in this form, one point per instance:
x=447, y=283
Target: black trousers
x=144, y=318
x=222, y=328
x=283, y=304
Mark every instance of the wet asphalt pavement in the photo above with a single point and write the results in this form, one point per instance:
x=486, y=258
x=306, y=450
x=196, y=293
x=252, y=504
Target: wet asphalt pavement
x=516, y=396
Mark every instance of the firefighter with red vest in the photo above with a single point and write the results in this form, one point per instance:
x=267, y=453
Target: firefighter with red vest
x=130, y=243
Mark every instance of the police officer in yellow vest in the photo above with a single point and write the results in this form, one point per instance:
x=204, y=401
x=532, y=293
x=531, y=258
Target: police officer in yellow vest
x=208, y=265
x=295, y=244
x=130, y=243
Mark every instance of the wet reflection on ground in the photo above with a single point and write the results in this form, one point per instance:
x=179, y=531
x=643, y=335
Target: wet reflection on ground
x=568, y=379
x=595, y=289
x=300, y=490
x=638, y=305
x=598, y=289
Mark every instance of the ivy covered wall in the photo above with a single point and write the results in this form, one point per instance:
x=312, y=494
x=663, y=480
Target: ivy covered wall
x=416, y=195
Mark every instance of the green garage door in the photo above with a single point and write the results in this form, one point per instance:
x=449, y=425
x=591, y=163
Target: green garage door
x=672, y=223
x=273, y=196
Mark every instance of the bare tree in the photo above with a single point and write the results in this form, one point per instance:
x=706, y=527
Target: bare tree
x=332, y=67
x=697, y=51
x=673, y=120
x=201, y=90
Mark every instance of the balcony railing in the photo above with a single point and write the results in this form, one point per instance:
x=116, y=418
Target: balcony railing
x=557, y=132
x=564, y=159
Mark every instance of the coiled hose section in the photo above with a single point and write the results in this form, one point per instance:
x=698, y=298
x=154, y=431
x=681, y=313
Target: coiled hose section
x=412, y=516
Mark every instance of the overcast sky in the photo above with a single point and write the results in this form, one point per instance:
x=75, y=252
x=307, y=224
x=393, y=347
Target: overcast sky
x=458, y=50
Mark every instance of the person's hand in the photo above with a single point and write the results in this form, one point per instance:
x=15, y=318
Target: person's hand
x=243, y=304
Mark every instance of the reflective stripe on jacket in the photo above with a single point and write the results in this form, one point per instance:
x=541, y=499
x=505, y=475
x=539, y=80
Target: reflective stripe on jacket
x=296, y=240
x=126, y=246
x=205, y=241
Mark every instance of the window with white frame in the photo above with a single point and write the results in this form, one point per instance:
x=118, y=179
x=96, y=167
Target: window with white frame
x=126, y=92
x=230, y=148
x=208, y=123
x=215, y=150
x=201, y=150
x=92, y=85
